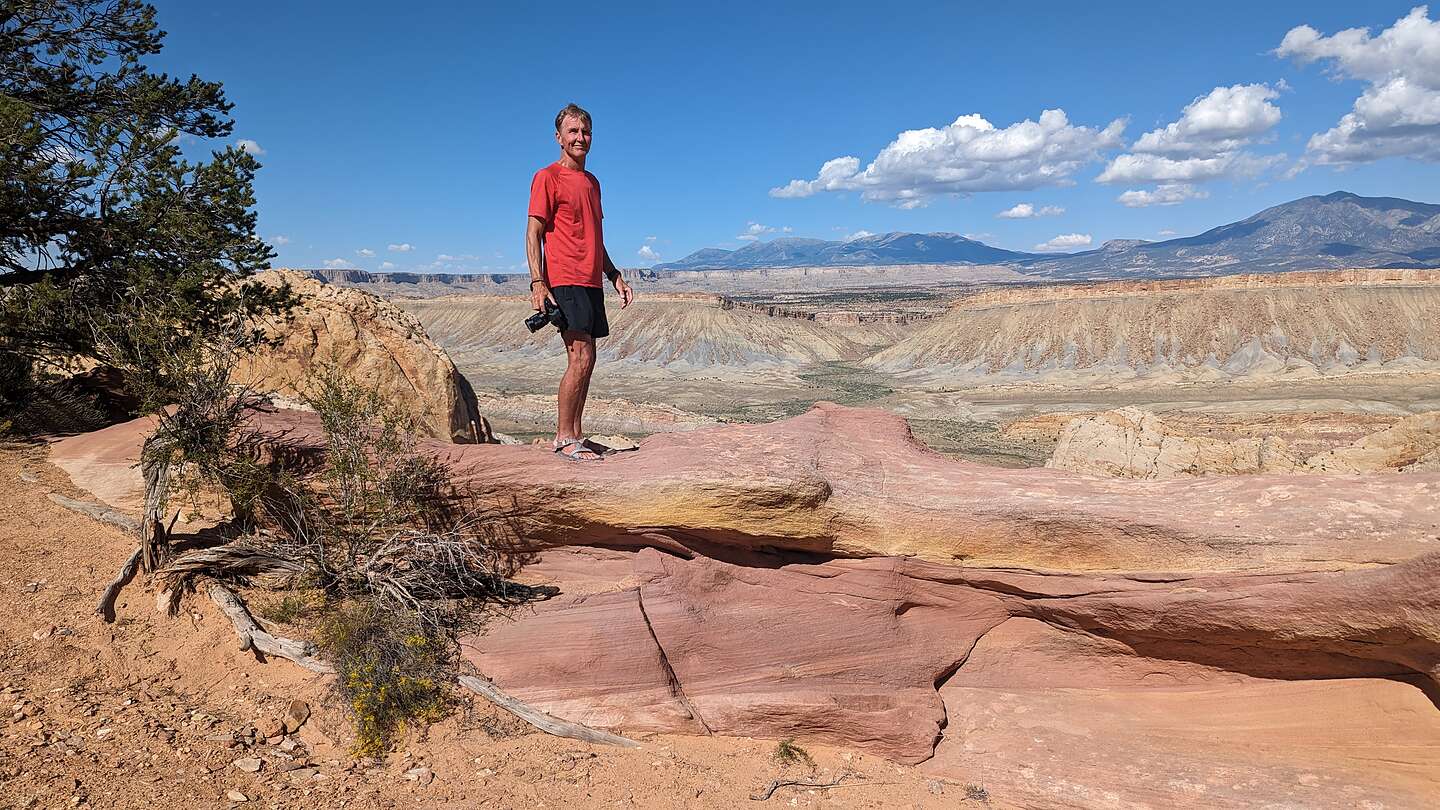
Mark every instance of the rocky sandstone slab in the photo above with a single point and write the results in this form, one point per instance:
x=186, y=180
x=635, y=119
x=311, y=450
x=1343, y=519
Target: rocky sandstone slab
x=375, y=343
x=853, y=482
x=1078, y=641
x=1133, y=443
x=1312, y=744
x=1068, y=690
x=1059, y=718
x=1411, y=444
x=749, y=651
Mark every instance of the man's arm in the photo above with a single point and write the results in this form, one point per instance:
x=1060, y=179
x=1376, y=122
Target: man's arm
x=613, y=273
x=539, y=288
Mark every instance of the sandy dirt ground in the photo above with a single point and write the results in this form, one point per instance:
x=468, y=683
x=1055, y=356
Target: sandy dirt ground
x=154, y=711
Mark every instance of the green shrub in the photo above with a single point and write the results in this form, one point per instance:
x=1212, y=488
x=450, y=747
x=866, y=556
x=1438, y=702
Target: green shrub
x=788, y=753
x=390, y=670
x=294, y=607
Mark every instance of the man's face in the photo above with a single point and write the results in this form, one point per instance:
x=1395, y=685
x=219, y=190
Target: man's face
x=574, y=137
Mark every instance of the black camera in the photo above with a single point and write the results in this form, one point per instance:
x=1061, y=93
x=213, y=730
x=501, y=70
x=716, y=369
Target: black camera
x=552, y=315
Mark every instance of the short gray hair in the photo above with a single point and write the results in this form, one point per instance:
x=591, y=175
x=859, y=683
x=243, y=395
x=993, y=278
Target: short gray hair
x=571, y=109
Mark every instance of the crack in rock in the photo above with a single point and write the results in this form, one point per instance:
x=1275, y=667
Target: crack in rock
x=676, y=690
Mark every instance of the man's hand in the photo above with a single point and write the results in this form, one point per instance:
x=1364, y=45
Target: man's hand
x=539, y=291
x=626, y=294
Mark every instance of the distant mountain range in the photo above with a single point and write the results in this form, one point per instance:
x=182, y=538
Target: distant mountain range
x=890, y=248
x=1311, y=233
x=366, y=277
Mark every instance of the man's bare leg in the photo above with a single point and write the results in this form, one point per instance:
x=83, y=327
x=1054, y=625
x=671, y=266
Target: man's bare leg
x=574, y=385
x=584, y=397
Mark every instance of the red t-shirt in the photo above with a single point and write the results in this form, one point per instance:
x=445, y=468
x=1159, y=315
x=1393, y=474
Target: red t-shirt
x=568, y=201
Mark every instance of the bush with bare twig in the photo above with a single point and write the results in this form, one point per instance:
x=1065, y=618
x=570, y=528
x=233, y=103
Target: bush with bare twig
x=400, y=560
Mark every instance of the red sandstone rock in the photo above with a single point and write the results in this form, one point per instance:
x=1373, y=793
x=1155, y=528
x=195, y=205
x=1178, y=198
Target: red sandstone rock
x=1226, y=642
x=1057, y=718
x=852, y=482
x=852, y=651
x=848, y=652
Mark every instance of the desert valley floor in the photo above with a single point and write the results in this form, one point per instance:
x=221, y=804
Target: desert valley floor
x=983, y=371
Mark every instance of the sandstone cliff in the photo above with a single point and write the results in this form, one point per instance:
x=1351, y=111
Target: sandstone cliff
x=375, y=343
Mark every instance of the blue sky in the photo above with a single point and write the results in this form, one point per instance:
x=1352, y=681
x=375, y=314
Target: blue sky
x=410, y=133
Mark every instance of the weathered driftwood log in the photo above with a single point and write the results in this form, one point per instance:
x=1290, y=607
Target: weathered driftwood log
x=106, y=607
x=253, y=636
x=98, y=511
x=541, y=720
x=154, y=539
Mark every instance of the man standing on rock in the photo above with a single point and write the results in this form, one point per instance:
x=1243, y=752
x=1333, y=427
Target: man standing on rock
x=565, y=247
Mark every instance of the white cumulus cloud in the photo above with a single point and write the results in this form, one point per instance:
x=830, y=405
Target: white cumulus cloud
x=1398, y=113
x=279, y=241
x=860, y=234
x=754, y=231
x=1221, y=121
x=404, y=247
x=249, y=147
x=388, y=265
x=1163, y=194
x=1165, y=232
x=970, y=154
x=366, y=252
x=1207, y=141
x=648, y=253
x=1065, y=241
x=337, y=264
x=1027, y=210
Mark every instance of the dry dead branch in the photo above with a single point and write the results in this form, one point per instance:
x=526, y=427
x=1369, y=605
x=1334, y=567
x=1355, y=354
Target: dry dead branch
x=254, y=637
x=154, y=539
x=541, y=720
x=779, y=783
x=106, y=607
x=98, y=511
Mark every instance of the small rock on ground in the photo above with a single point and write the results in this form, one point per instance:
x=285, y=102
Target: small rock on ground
x=422, y=775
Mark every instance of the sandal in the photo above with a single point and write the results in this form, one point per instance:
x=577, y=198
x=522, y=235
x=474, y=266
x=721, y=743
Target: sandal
x=571, y=451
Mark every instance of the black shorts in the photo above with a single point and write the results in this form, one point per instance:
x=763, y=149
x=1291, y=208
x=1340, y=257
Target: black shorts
x=584, y=309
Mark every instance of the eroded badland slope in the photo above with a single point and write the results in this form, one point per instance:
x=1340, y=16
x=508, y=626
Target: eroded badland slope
x=1299, y=325
x=1342, y=345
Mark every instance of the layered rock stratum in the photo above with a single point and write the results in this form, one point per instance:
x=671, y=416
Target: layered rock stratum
x=1134, y=443
x=696, y=331
x=1294, y=325
x=1070, y=640
x=374, y=343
